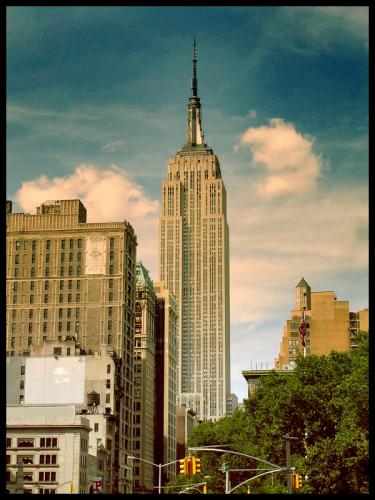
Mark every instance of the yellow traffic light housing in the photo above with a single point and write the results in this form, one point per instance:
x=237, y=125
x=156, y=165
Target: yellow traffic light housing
x=299, y=481
x=183, y=466
x=196, y=463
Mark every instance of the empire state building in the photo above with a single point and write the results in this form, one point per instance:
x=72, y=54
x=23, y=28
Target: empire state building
x=194, y=264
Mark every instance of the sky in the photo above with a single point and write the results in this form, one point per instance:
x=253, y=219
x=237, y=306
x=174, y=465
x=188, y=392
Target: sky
x=97, y=103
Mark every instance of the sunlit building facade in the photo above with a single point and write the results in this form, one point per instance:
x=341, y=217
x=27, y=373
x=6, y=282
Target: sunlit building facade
x=194, y=265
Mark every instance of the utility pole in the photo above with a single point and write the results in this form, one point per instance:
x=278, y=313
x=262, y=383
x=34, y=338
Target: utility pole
x=288, y=439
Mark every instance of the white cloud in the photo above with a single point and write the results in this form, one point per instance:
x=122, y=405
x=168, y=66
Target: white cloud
x=287, y=156
x=114, y=146
x=108, y=195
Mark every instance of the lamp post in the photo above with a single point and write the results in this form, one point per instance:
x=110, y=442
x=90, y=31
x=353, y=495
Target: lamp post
x=288, y=439
x=155, y=465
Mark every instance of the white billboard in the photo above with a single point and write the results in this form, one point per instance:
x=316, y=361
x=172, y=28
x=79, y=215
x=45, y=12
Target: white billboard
x=96, y=249
x=51, y=380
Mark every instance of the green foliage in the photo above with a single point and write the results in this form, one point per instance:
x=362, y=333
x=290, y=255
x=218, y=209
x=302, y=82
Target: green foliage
x=324, y=402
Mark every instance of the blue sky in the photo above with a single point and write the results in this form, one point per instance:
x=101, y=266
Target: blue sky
x=97, y=102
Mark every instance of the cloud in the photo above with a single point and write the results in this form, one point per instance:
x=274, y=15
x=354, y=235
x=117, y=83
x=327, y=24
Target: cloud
x=114, y=146
x=287, y=156
x=108, y=195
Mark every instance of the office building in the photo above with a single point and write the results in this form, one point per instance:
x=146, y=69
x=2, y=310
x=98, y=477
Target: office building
x=166, y=380
x=144, y=383
x=68, y=277
x=327, y=326
x=194, y=265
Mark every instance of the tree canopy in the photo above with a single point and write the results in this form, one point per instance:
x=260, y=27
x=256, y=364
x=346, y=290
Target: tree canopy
x=324, y=402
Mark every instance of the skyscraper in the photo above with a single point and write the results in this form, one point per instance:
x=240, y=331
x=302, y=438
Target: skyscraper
x=194, y=264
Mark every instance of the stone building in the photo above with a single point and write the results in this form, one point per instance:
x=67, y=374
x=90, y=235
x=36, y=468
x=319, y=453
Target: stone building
x=194, y=265
x=51, y=445
x=327, y=326
x=66, y=276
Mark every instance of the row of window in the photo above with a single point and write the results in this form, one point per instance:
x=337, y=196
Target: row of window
x=49, y=442
x=48, y=244
x=62, y=271
x=31, y=459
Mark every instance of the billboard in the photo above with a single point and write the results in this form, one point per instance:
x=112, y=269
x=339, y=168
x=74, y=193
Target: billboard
x=55, y=380
x=96, y=250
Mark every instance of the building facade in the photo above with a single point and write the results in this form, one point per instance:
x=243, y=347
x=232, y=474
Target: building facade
x=60, y=373
x=51, y=445
x=65, y=277
x=194, y=265
x=166, y=380
x=144, y=382
x=327, y=326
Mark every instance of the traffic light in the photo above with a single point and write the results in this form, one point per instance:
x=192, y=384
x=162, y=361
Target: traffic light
x=183, y=466
x=299, y=481
x=296, y=481
x=196, y=462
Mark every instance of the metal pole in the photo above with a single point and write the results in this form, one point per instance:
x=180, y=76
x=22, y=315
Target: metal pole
x=159, y=478
x=226, y=481
x=288, y=470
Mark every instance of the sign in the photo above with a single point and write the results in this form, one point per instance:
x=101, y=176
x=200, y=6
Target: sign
x=95, y=254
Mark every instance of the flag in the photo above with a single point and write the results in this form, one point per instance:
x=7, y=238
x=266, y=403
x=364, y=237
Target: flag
x=302, y=331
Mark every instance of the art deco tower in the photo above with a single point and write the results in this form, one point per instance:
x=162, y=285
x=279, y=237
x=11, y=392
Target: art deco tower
x=194, y=264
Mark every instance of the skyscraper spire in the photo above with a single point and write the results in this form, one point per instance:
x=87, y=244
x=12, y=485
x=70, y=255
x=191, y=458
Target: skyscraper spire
x=194, y=135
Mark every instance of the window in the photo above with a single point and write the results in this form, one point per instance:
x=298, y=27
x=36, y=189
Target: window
x=31, y=299
x=25, y=443
x=30, y=327
x=61, y=271
x=68, y=326
x=107, y=398
x=96, y=427
x=45, y=327
x=77, y=327
x=61, y=298
x=14, y=299
x=60, y=313
x=13, y=328
x=29, y=341
x=47, y=258
x=110, y=324
x=47, y=271
x=9, y=442
x=47, y=459
x=78, y=297
x=27, y=476
x=60, y=326
x=78, y=270
x=33, y=245
x=48, y=244
x=108, y=368
x=108, y=383
x=71, y=244
x=22, y=370
x=46, y=298
x=33, y=258
x=62, y=258
x=18, y=245
x=137, y=406
x=70, y=270
x=110, y=284
x=70, y=284
x=16, y=259
x=8, y=459
x=48, y=442
x=57, y=351
x=110, y=296
x=15, y=286
x=111, y=269
x=69, y=297
x=79, y=256
x=109, y=340
x=16, y=272
x=77, y=312
x=78, y=284
x=32, y=272
x=111, y=255
x=79, y=243
x=47, y=476
x=111, y=242
x=62, y=243
x=61, y=284
x=70, y=257
x=69, y=312
x=14, y=313
x=109, y=311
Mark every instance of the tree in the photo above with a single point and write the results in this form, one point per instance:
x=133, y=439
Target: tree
x=324, y=401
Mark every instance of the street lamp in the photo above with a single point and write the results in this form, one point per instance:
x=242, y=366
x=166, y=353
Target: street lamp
x=288, y=439
x=155, y=465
